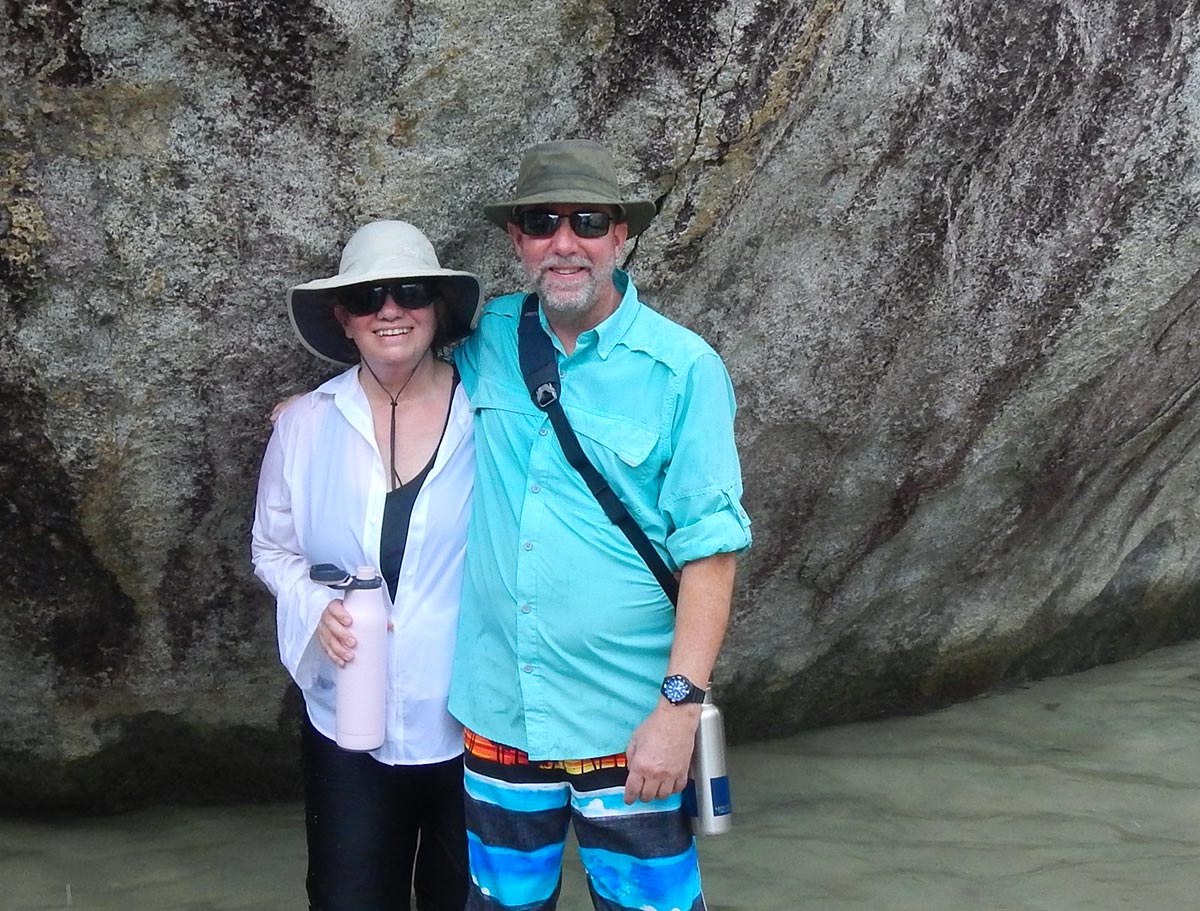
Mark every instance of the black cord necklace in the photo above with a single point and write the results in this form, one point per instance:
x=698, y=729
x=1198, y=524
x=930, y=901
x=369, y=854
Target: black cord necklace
x=394, y=399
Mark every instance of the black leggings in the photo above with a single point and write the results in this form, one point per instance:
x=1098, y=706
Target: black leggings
x=379, y=833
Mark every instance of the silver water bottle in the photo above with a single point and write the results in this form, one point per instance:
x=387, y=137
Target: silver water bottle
x=706, y=797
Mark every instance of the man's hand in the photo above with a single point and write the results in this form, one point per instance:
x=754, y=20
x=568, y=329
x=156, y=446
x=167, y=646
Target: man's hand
x=660, y=751
x=280, y=407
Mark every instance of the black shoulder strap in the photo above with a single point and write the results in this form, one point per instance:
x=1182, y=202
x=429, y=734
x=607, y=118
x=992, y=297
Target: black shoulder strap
x=539, y=366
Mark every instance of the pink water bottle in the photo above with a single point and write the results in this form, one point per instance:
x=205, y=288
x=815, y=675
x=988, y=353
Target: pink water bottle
x=362, y=683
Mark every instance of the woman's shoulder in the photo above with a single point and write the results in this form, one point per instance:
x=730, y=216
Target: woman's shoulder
x=302, y=407
x=303, y=411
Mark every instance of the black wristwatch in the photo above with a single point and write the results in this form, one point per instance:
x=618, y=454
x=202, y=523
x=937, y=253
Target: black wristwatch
x=678, y=690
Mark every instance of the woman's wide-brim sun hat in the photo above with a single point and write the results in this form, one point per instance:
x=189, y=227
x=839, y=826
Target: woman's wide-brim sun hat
x=570, y=171
x=376, y=252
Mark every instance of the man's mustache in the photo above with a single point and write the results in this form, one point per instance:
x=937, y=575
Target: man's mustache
x=564, y=261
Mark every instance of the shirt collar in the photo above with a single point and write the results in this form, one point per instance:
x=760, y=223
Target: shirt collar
x=345, y=383
x=351, y=400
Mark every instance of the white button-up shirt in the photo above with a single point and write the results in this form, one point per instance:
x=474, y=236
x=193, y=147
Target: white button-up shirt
x=321, y=496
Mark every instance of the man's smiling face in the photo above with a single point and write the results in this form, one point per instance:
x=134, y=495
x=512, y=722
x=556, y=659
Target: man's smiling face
x=571, y=274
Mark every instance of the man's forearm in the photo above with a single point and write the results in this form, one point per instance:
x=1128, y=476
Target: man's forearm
x=705, y=593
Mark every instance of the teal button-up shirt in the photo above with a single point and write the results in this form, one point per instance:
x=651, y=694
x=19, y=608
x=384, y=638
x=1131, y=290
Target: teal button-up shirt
x=564, y=633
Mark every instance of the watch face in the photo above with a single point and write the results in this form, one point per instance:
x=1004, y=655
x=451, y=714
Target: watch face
x=676, y=688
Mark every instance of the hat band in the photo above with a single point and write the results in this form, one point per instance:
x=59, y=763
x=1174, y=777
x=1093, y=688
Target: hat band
x=590, y=188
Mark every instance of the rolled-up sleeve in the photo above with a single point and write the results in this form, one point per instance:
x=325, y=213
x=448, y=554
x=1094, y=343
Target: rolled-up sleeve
x=276, y=553
x=702, y=488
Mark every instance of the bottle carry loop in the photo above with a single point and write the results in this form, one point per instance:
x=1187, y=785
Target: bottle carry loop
x=336, y=577
x=539, y=367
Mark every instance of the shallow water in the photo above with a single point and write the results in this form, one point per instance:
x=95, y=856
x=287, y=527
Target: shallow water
x=1075, y=793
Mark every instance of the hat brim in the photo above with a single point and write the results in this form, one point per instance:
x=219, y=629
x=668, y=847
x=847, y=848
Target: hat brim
x=310, y=308
x=638, y=212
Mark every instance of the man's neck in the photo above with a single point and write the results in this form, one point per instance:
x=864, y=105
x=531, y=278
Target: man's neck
x=568, y=326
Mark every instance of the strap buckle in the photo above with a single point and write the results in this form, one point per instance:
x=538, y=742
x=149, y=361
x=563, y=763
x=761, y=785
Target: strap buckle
x=545, y=395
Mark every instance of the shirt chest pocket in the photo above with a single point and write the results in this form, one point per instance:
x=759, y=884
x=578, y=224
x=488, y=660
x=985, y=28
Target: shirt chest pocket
x=616, y=442
x=632, y=445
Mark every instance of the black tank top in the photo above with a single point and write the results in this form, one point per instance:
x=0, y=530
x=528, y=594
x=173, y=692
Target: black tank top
x=397, y=511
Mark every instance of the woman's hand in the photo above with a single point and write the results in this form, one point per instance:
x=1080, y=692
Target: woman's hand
x=333, y=632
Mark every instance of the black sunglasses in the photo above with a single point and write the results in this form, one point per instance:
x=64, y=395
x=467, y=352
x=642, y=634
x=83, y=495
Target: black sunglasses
x=540, y=223
x=363, y=300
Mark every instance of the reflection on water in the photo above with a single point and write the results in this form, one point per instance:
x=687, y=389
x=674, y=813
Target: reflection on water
x=1075, y=793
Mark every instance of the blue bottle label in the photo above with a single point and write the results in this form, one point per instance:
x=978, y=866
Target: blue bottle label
x=722, y=803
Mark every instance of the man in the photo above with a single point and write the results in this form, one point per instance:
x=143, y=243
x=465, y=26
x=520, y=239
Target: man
x=568, y=647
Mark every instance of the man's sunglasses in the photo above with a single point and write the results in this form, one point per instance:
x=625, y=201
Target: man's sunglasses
x=363, y=300
x=540, y=223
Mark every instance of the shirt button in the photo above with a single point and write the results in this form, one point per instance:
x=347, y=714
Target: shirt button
x=528, y=669
x=535, y=488
x=543, y=431
x=525, y=608
x=529, y=545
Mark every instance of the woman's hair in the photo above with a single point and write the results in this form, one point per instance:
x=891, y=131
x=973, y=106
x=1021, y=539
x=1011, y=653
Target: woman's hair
x=447, y=331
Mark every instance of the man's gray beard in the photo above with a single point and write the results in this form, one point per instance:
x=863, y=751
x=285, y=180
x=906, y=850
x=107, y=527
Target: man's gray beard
x=570, y=305
x=574, y=304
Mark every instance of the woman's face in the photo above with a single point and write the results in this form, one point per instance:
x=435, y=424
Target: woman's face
x=393, y=335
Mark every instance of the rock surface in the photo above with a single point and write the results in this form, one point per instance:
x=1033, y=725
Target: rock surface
x=949, y=250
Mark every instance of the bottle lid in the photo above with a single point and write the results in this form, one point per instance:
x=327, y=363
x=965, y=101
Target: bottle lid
x=366, y=577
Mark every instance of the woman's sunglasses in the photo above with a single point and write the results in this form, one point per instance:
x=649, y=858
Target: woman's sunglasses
x=363, y=300
x=540, y=223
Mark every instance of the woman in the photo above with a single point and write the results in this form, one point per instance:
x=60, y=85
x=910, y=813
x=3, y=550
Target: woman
x=375, y=468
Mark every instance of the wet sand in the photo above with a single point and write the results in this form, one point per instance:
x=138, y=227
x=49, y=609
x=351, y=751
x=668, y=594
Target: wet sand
x=1081, y=792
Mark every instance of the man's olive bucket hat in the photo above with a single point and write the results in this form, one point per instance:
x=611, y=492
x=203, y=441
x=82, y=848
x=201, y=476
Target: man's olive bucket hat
x=570, y=171
x=377, y=252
